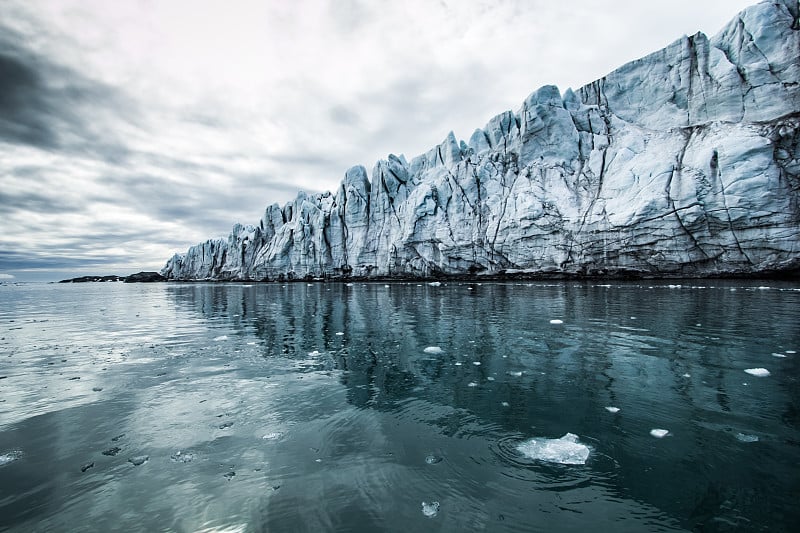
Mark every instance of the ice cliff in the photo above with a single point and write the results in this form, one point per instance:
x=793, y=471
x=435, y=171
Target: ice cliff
x=684, y=162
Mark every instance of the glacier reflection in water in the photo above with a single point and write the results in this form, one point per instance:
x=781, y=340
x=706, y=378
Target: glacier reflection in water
x=324, y=406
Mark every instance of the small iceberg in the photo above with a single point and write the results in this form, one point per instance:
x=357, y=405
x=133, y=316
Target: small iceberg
x=611, y=409
x=180, y=457
x=430, y=509
x=220, y=338
x=659, y=433
x=566, y=450
x=781, y=355
x=433, y=350
x=435, y=284
x=139, y=460
x=556, y=321
x=339, y=333
x=758, y=372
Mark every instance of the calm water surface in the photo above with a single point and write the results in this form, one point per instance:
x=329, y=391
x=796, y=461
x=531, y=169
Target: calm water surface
x=317, y=407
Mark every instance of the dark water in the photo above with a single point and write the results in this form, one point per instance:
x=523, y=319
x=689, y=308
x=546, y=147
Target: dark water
x=316, y=408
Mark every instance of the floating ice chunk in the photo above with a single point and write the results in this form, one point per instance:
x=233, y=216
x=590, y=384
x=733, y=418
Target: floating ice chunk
x=516, y=374
x=434, y=284
x=758, y=372
x=781, y=355
x=659, y=433
x=790, y=351
x=504, y=404
x=432, y=459
x=313, y=353
x=565, y=450
x=611, y=409
x=430, y=509
x=251, y=343
x=180, y=457
x=340, y=333
x=458, y=363
x=386, y=286
x=556, y=321
x=221, y=338
x=490, y=378
x=687, y=375
x=139, y=460
x=746, y=438
x=348, y=284
x=472, y=384
x=433, y=350
x=476, y=363
x=10, y=457
x=275, y=435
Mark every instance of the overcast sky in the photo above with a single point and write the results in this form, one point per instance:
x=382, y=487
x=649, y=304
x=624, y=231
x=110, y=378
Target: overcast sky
x=130, y=130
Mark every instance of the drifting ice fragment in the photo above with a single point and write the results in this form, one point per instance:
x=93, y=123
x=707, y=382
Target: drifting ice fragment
x=556, y=321
x=779, y=355
x=516, y=374
x=180, y=457
x=758, y=372
x=139, y=460
x=566, y=450
x=472, y=384
x=434, y=284
x=612, y=409
x=432, y=459
x=659, y=433
x=340, y=333
x=504, y=404
x=221, y=338
x=790, y=351
x=476, y=363
x=10, y=457
x=430, y=509
x=746, y=438
x=433, y=350
x=275, y=435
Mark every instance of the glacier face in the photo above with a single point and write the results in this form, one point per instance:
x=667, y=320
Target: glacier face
x=683, y=163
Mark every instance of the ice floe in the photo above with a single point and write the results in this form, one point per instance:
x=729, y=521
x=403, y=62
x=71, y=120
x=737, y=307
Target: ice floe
x=433, y=350
x=566, y=450
x=432, y=459
x=220, y=338
x=340, y=333
x=790, y=351
x=659, y=433
x=472, y=384
x=10, y=457
x=139, y=460
x=180, y=457
x=516, y=374
x=430, y=509
x=275, y=435
x=758, y=372
x=504, y=404
x=743, y=437
x=611, y=409
x=556, y=321
x=781, y=355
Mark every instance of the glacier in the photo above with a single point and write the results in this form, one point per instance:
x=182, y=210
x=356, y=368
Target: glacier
x=683, y=163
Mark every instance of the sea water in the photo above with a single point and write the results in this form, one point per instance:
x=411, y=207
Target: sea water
x=400, y=407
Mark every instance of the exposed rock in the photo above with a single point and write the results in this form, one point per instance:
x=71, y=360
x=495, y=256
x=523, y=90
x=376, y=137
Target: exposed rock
x=683, y=163
x=145, y=277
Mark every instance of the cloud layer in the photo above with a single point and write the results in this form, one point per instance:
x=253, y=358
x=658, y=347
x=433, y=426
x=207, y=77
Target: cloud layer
x=131, y=130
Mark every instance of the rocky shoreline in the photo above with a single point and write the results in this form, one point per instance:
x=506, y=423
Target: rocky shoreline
x=139, y=277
